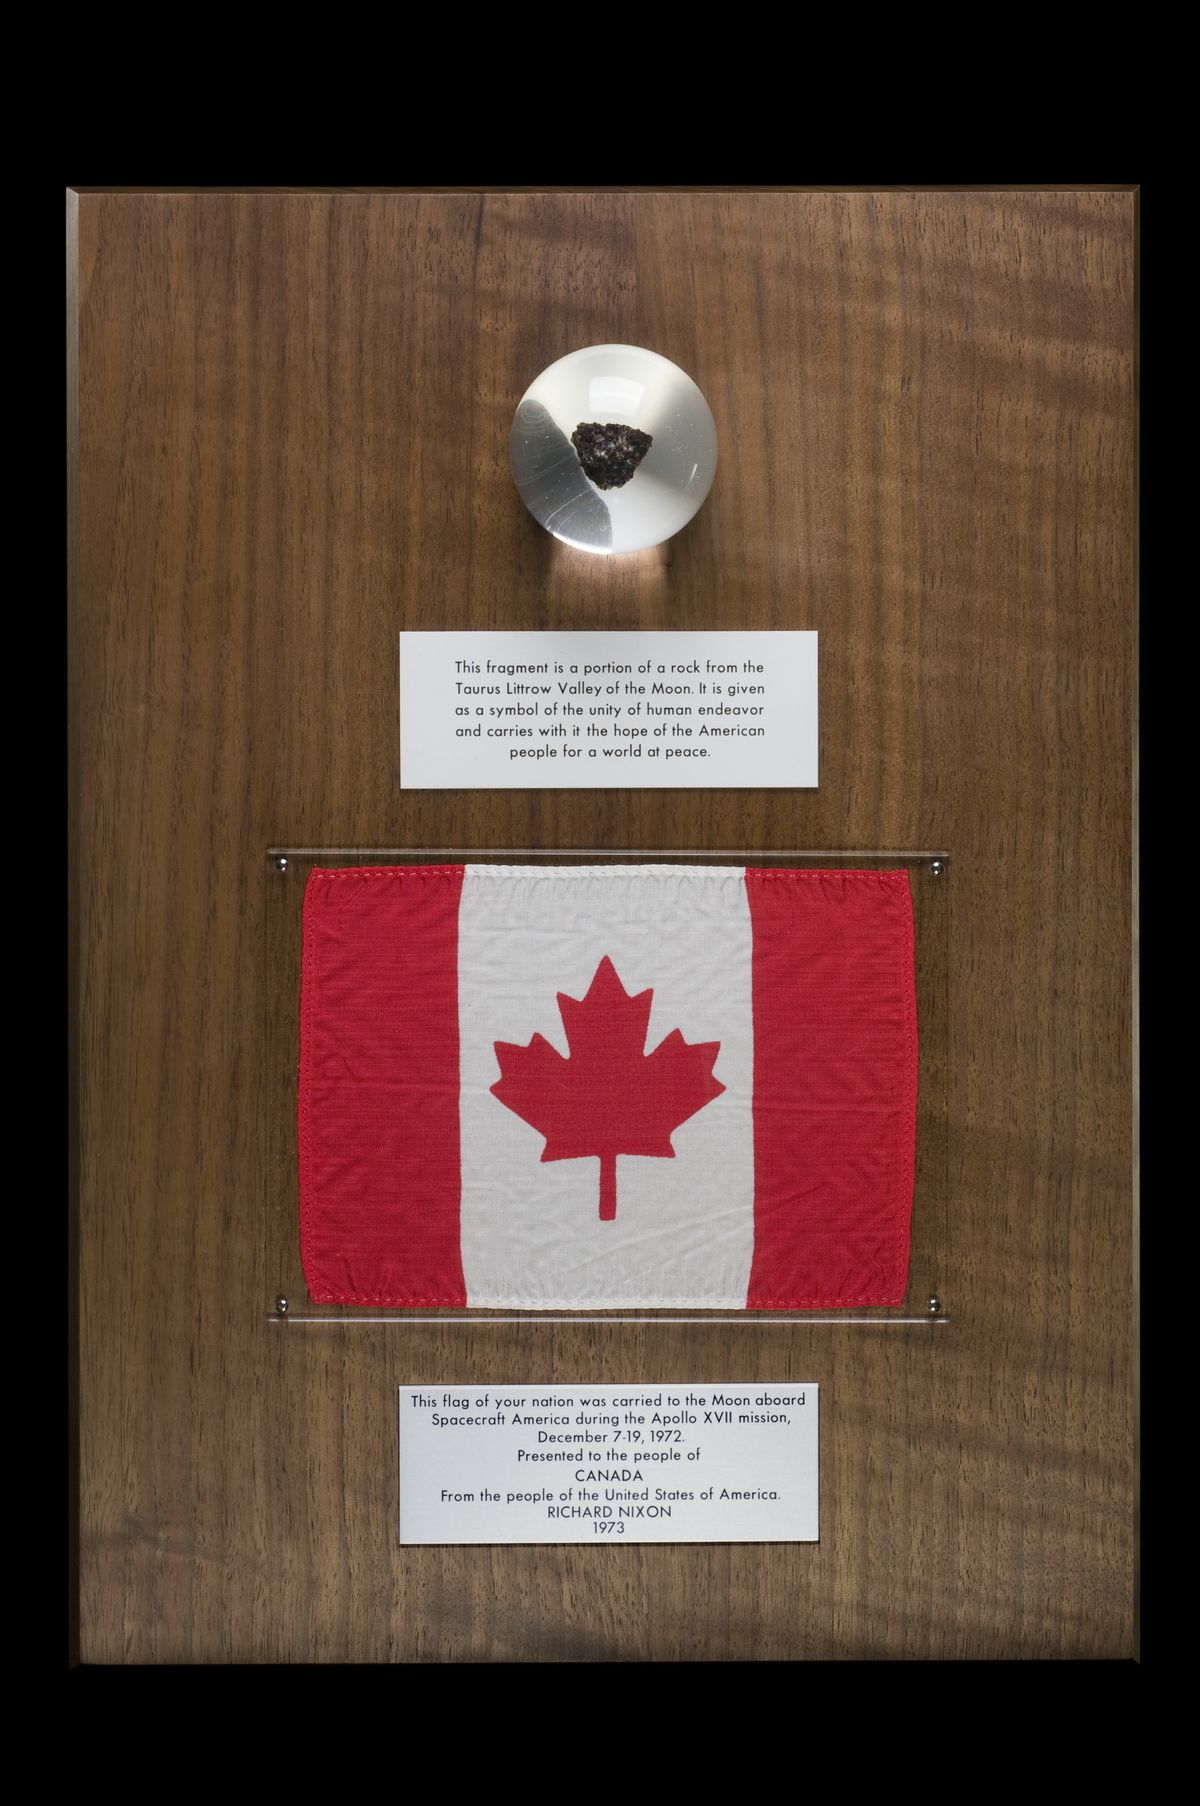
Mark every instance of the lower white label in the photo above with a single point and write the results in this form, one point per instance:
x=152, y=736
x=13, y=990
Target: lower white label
x=655, y=1463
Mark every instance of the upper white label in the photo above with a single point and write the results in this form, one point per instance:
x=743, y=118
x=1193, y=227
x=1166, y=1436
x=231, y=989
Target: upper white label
x=608, y=711
x=677, y=1462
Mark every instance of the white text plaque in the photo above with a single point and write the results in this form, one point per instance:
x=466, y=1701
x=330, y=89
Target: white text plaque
x=607, y=711
x=655, y=1463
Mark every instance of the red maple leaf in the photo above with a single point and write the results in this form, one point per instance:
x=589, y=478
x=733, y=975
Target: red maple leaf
x=609, y=1096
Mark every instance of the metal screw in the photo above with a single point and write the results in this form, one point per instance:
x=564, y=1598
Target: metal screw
x=281, y=863
x=936, y=867
x=935, y=1306
x=281, y=1306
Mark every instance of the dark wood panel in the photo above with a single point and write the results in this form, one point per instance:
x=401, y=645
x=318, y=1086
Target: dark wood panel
x=293, y=413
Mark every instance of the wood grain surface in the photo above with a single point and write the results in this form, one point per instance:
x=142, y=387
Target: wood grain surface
x=293, y=417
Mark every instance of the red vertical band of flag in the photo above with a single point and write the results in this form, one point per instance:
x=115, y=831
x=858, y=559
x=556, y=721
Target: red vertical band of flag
x=835, y=1087
x=379, y=1087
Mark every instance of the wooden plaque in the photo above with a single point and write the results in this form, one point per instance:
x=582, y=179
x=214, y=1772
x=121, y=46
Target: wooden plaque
x=289, y=415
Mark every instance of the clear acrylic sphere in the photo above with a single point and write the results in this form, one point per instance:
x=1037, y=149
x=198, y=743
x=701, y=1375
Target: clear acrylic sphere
x=638, y=494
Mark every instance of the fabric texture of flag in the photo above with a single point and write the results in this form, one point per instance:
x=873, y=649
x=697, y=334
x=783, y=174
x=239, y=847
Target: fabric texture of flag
x=588, y=1087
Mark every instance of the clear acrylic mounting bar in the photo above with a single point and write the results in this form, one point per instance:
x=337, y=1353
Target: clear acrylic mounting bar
x=286, y=1300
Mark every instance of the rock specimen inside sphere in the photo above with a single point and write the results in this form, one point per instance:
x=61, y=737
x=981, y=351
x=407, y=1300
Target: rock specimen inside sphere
x=610, y=454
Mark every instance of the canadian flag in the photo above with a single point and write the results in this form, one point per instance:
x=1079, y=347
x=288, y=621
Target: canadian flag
x=587, y=1087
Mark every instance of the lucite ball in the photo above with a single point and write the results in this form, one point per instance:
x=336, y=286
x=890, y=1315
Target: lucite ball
x=613, y=448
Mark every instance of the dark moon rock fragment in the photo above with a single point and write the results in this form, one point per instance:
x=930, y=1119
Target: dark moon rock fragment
x=610, y=454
